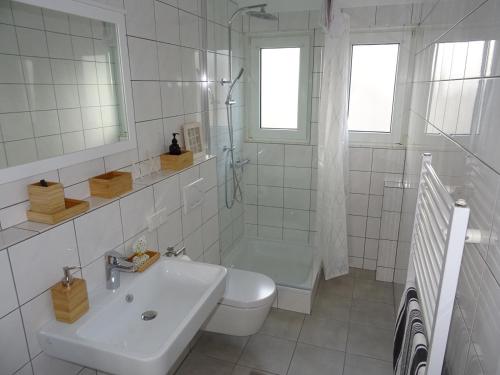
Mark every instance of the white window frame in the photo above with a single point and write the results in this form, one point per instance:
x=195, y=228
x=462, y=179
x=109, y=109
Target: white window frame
x=302, y=134
x=403, y=38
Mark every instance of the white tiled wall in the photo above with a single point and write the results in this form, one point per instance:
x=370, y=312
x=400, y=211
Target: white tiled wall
x=460, y=128
x=374, y=207
x=280, y=181
x=30, y=267
x=168, y=90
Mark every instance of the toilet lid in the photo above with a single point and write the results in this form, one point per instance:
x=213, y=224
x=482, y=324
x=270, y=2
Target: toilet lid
x=247, y=289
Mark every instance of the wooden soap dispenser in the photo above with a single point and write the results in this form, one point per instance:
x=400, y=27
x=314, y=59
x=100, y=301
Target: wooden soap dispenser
x=69, y=297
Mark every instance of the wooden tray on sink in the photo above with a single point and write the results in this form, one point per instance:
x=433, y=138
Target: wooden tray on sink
x=153, y=257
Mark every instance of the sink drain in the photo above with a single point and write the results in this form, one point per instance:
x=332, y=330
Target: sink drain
x=148, y=315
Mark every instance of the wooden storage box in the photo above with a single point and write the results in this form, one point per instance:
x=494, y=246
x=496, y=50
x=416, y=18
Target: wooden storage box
x=111, y=184
x=176, y=162
x=153, y=257
x=70, y=303
x=72, y=208
x=46, y=199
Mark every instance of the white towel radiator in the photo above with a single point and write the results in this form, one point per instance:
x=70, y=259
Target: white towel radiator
x=437, y=244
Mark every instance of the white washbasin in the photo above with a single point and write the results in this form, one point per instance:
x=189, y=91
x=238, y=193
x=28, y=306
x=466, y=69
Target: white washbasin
x=112, y=336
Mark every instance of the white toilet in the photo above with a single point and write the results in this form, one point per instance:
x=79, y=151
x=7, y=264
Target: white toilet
x=245, y=305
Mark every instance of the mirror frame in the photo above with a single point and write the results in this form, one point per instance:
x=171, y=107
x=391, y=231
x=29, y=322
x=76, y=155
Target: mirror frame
x=96, y=11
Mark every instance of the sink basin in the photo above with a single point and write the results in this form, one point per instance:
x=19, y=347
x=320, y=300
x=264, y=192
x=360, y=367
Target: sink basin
x=142, y=327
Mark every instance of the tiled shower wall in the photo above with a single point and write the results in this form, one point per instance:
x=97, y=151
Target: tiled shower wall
x=169, y=51
x=374, y=208
x=454, y=115
x=280, y=181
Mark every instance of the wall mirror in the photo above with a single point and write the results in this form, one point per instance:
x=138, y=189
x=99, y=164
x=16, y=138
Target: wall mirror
x=65, y=94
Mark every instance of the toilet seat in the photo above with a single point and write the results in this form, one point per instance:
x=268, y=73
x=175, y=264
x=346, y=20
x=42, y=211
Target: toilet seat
x=244, y=307
x=247, y=289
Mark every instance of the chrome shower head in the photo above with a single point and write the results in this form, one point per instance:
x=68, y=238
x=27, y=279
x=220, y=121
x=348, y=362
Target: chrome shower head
x=262, y=14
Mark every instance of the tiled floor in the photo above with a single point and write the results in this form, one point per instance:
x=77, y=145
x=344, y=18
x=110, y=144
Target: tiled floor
x=349, y=332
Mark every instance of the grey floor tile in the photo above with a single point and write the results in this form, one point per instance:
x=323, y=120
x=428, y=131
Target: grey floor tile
x=398, y=292
x=359, y=273
x=359, y=365
x=268, y=353
x=336, y=307
x=225, y=347
x=376, y=291
x=309, y=359
x=326, y=333
x=242, y=370
x=370, y=341
x=198, y=364
x=376, y=314
x=342, y=286
x=283, y=323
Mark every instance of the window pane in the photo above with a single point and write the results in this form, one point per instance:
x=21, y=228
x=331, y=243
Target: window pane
x=279, y=97
x=373, y=74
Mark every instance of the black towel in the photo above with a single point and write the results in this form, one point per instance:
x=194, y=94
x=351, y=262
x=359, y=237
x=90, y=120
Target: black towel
x=410, y=341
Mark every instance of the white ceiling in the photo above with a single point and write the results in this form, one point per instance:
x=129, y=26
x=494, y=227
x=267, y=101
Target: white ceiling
x=299, y=5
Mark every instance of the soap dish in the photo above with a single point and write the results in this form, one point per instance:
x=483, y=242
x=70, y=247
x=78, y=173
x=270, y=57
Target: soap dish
x=73, y=207
x=153, y=257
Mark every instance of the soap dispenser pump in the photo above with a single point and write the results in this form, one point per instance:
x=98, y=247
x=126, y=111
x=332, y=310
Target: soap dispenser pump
x=174, y=147
x=69, y=297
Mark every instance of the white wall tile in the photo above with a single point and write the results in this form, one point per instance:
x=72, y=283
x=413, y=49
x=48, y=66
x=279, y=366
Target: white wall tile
x=13, y=351
x=356, y=225
x=167, y=194
x=375, y=206
x=386, y=160
x=299, y=178
x=135, y=208
x=147, y=100
x=170, y=233
x=98, y=232
x=271, y=154
x=35, y=314
x=8, y=291
x=296, y=219
x=356, y=246
x=270, y=196
x=372, y=227
x=387, y=253
x=298, y=156
x=43, y=258
x=297, y=198
x=371, y=248
x=140, y=18
x=389, y=226
x=359, y=182
x=194, y=244
x=360, y=159
x=270, y=175
x=270, y=216
x=189, y=31
x=357, y=204
x=208, y=171
x=270, y=233
x=143, y=59
x=210, y=204
x=210, y=232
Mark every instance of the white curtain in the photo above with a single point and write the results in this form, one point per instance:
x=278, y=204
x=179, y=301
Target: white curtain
x=333, y=147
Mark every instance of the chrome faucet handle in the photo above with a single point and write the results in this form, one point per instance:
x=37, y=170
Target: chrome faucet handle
x=171, y=252
x=116, y=259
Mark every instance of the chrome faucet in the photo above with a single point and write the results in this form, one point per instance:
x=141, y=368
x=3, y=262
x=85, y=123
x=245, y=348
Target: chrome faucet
x=116, y=263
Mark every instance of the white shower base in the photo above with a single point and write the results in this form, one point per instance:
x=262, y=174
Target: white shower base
x=290, y=265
